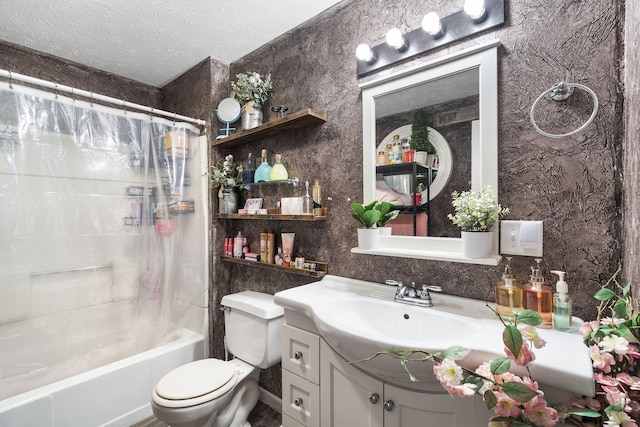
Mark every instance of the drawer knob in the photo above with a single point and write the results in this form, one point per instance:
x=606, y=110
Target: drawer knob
x=388, y=405
x=297, y=355
x=298, y=401
x=373, y=398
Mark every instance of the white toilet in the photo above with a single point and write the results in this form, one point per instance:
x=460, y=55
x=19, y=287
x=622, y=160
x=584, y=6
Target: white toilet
x=212, y=392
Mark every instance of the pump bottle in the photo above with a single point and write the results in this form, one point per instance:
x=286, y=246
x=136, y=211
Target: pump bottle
x=561, y=304
x=538, y=297
x=508, y=294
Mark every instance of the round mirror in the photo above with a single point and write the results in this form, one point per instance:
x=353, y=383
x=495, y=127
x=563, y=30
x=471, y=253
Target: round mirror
x=228, y=110
x=441, y=171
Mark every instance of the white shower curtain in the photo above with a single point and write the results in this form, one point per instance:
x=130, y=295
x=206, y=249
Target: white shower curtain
x=102, y=235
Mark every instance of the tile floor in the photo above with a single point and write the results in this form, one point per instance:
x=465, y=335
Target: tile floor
x=261, y=416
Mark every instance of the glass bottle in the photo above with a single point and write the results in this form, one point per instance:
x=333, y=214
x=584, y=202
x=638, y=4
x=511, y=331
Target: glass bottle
x=561, y=304
x=538, y=297
x=249, y=172
x=263, y=172
x=508, y=294
x=278, y=171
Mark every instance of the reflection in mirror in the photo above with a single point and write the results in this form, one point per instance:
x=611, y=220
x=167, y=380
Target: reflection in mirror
x=451, y=101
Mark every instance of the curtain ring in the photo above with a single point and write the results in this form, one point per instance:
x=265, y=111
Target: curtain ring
x=175, y=116
x=10, y=80
x=91, y=99
x=56, y=89
x=73, y=95
x=124, y=107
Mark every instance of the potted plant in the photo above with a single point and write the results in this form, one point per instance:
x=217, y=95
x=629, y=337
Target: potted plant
x=371, y=216
x=420, y=137
x=251, y=90
x=226, y=176
x=476, y=213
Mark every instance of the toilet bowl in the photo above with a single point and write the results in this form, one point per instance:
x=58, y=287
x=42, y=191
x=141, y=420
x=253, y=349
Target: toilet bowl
x=217, y=393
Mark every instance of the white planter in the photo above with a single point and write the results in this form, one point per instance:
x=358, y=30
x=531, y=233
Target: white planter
x=368, y=238
x=421, y=157
x=476, y=244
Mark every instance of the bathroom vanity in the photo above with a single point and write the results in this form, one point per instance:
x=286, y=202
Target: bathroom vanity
x=337, y=320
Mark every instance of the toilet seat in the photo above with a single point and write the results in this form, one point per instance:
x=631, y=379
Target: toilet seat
x=195, y=383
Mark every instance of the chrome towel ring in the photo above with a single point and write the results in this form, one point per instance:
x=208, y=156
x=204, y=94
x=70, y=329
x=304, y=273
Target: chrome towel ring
x=560, y=92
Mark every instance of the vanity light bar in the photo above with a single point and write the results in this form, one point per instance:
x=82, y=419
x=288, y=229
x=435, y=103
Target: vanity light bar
x=453, y=28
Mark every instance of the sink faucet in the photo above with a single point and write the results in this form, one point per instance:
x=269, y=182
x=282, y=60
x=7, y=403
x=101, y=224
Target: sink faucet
x=407, y=294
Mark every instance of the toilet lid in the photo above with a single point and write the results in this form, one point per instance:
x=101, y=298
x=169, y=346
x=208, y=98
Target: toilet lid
x=195, y=379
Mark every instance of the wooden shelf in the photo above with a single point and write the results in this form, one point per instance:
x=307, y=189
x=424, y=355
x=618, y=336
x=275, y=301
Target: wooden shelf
x=272, y=217
x=291, y=270
x=292, y=121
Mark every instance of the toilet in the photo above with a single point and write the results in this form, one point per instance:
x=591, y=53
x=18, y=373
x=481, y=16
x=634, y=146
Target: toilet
x=217, y=393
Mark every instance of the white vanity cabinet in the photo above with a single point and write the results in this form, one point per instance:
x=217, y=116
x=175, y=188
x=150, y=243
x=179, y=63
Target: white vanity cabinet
x=344, y=396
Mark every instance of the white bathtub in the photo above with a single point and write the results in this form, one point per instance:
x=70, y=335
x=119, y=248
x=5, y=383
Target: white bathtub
x=116, y=394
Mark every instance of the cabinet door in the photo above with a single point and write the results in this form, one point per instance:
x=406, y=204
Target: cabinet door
x=348, y=397
x=412, y=409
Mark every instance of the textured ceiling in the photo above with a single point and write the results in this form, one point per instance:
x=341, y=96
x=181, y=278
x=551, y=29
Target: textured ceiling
x=151, y=41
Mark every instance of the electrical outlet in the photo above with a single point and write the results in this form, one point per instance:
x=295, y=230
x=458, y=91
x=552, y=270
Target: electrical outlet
x=521, y=238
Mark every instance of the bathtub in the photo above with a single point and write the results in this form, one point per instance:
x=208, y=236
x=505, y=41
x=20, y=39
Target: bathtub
x=116, y=394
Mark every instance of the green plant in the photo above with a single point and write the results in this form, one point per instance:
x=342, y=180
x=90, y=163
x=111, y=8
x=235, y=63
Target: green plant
x=251, y=87
x=374, y=214
x=476, y=211
x=420, y=133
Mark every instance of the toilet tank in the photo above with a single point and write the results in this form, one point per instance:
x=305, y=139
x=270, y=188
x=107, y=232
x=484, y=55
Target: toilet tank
x=253, y=327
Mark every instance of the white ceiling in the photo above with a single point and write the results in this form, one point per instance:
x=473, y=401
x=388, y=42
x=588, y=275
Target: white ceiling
x=151, y=41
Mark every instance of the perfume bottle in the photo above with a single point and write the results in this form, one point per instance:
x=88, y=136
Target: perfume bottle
x=263, y=172
x=538, y=297
x=508, y=294
x=278, y=171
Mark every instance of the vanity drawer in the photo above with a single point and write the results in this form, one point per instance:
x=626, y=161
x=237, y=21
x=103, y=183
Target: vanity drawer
x=300, y=400
x=301, y=353
x=290, y=422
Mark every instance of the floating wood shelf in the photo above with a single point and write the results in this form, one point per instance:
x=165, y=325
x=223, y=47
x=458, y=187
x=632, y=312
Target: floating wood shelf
x=291, y=270
x=292, y=121
x=272, y=217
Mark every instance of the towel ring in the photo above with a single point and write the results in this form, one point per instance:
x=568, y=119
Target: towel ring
x=560, y=92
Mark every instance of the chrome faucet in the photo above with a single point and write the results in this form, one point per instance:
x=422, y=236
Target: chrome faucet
x=407, y=294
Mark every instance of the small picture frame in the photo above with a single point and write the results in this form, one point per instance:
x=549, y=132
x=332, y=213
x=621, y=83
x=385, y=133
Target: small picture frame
x=253, y=204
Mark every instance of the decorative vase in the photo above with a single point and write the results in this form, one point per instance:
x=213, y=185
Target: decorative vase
x=368, y=238
x=251, y=116
x=228, y=201
x=477, y=244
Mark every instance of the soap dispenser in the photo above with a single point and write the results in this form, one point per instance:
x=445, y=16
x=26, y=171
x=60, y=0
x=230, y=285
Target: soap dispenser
x=508, y=294
x=561, y=304
x=538, y=297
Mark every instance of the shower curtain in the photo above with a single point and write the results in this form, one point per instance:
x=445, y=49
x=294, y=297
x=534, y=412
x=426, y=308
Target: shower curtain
x=102, y=235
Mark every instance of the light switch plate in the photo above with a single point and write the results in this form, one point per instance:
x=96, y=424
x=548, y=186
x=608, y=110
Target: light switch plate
x=521, y=238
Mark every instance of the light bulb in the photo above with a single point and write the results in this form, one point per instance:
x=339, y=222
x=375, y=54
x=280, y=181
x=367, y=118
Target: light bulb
x=364, y=53
x=431, y=24
x=395, y=39
x=474, y=8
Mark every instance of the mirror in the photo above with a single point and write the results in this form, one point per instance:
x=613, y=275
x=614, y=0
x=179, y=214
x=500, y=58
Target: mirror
x=458, y=95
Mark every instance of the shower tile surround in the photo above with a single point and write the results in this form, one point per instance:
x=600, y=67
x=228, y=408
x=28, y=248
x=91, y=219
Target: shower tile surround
x=574, y=184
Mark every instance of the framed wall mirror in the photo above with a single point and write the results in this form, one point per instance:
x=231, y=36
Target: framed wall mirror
x=453, y=100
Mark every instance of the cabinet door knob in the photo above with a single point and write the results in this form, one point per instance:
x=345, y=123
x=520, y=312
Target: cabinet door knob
x=297, y=355
x=298, y=401
x=388, y=405
x=373, y=398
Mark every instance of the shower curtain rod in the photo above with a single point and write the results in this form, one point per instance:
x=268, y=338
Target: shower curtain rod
x=95, y=96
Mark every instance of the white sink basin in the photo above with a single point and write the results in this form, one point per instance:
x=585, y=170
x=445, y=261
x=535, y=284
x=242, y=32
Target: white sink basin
x=358, y=319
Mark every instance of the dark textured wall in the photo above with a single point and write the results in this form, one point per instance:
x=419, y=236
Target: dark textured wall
x=573, y=183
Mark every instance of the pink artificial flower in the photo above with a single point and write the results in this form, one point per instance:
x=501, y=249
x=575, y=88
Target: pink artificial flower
x=620, y=419
x=448, y=372
x=540, y=414
x=525, y=356
x=632, y=382
x=588, y=327
x=602, y=360
x=586, y=402
x=612, y=321
x=463, y=390
x=605, y=379
x=506, y=406
x=615, y=396
x=531, y=334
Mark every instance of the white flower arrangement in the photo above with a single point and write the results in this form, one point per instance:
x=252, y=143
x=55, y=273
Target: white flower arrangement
x=251, y=87
x=476, y=211
x=226, y=176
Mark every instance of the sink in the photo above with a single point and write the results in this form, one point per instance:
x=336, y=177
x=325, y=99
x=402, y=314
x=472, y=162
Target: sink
x=358, y=319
